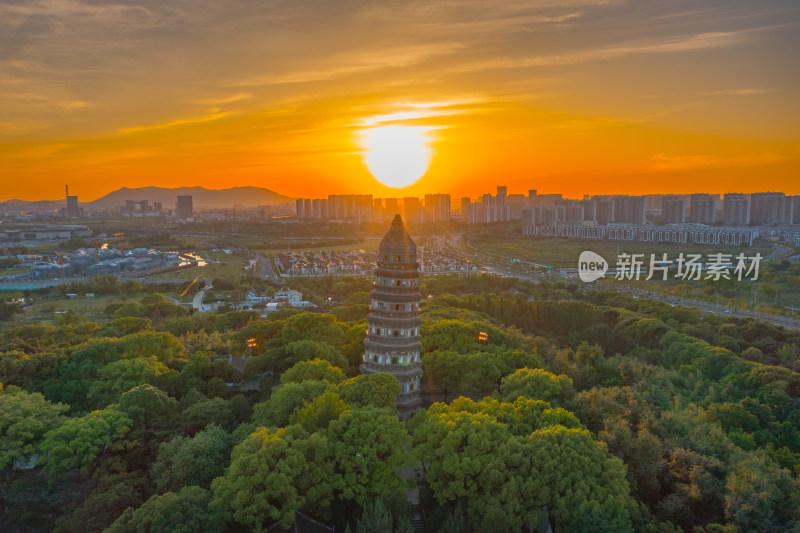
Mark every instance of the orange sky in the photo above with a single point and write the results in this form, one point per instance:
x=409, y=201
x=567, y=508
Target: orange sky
x=577, y=96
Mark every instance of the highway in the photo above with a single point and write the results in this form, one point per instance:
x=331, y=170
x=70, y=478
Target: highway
x=265, y=269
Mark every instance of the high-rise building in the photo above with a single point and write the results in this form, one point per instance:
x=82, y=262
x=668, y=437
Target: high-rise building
x=73, y=211
x=796, y=209
x=702, y=209
x=546, y=215
x=319, y=209
x=392, y=344
x=535, y=199
x=673, y=210
x=770, y=209
x=489, y=210
x=412, y=211
x=502, y=195
x=158, y=207
x=569, y=211
x=629, y=209
x=183, y=207
x=603, y=209
x=736, y=209
x=391, y=207
x=516, y=203
x=130, y=208
x=361, y=208
x=437, y=207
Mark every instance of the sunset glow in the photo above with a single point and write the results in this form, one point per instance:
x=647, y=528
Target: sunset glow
x=580, y=98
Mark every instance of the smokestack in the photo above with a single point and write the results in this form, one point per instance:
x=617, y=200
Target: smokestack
x=67, y=186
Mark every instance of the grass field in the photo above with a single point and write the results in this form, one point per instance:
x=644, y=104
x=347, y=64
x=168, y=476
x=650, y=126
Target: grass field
x=48, y=311
x=224, y=265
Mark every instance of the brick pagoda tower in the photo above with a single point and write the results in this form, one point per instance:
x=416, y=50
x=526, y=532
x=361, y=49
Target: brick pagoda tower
x=392, y=344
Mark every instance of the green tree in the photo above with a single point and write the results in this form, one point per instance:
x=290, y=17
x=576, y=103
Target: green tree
x=274, y=473
x=313, y=327
x=105, y=503
x=489, y=456
x=320, y=412
x=185, y=512
x=194, y=460
x=25, y=418
x=9, y=309
x=146, y=403
x=368, y=451
x=787, y=354
x=538, y=384
x=762, y=496
x=285, y=398
x=308, y=350
x=360, y=297
x=316, y=369
x=78, y=442
x=200, y=415
x=377, y=390
x=121, y=376
x=119, y=327
x=376, y=517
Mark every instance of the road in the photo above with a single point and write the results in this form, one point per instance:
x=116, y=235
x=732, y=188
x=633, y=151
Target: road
x=721, y=310
x=265, y=269
x=197, y=301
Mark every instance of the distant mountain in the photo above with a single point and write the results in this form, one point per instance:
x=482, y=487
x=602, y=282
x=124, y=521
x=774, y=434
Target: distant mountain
x=37, y=205
x=201, y=197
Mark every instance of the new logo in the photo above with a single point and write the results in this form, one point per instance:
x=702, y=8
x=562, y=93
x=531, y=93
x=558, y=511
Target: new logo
x=591, y=266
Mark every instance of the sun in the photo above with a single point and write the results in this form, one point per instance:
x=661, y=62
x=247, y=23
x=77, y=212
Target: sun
x=397, y=156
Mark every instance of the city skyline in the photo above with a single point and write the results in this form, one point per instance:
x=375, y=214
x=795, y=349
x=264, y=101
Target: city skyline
x=589, y=96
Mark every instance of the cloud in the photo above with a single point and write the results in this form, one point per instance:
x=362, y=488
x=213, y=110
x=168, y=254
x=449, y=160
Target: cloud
x=667, y=45
x=221, y=100
x=62, y=11
x=411, y=112
x=179, y=122
x=664, y=162
x=737, y=92
x=354, y=63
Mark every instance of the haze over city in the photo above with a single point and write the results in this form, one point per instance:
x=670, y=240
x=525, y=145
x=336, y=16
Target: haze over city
x=399, y=98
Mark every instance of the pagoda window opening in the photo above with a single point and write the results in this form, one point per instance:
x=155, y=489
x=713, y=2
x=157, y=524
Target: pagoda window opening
x=394, y=360
x=396, y=333
x=397, y=307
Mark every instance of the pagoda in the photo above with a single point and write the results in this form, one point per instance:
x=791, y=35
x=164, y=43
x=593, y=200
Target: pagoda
x=392, y=344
